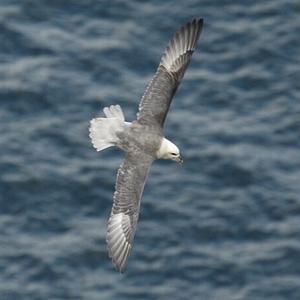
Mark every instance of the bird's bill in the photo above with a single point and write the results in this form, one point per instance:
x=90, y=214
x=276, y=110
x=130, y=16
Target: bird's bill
x=179, y=159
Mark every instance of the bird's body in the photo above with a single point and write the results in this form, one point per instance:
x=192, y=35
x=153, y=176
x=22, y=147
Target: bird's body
x=141, y=137
x=142, y=140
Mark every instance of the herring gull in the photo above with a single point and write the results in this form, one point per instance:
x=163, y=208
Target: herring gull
x=142, y=140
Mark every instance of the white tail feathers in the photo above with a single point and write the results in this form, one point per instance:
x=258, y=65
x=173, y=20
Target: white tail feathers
x=114, y=111
x=103, y=131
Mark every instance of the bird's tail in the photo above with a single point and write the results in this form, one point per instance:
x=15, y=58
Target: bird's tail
x=103, y=131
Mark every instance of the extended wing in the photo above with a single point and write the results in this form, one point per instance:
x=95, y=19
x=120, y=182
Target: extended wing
x=122, y=223
x=156, y=101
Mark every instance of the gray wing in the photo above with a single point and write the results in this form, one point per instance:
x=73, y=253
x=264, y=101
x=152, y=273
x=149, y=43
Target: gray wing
x=156, y=101
x=124, y=215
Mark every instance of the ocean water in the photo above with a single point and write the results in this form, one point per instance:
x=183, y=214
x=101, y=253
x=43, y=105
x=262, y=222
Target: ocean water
x=225, y=225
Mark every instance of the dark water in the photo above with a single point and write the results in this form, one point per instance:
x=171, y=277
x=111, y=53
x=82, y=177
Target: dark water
x=225, y=225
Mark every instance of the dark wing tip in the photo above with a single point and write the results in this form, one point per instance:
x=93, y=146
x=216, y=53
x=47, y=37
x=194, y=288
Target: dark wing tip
x=198, y=24
x=195, y=23
x=199, y=21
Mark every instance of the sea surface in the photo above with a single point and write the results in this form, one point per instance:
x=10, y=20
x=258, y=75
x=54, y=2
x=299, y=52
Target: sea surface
x=223, y=226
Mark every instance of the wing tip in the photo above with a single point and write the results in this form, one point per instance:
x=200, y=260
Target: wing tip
x=200, y=24
x=200, y=21
x=195, y=21
x=183, y=42
x=120, y=267
x=118, y=247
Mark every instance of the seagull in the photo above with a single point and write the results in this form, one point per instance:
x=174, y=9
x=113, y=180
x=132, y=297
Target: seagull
x=142, y=140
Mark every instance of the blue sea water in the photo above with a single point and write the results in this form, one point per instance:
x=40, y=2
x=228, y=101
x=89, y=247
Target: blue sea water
x=225, y=225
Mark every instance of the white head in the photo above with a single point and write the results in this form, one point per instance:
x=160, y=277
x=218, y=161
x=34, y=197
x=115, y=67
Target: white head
x=168, y=150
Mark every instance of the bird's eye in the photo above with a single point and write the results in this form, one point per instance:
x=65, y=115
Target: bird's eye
x=173, y=153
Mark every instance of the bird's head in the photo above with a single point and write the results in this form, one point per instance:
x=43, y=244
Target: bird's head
x=168, y=150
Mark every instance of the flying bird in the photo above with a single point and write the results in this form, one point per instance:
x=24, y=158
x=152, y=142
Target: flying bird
x=142, y=140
